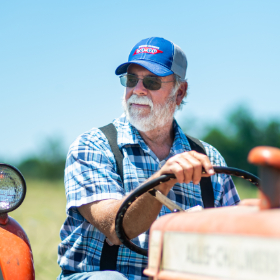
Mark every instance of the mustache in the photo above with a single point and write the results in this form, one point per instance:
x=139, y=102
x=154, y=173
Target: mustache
x=143, y=100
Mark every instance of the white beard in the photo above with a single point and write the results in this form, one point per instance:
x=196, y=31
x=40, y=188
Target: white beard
x=159, y=116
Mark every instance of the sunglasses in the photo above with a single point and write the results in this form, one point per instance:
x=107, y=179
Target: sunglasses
x=149, y=82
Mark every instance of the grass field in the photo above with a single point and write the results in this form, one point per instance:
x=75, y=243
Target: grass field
x=42, y=214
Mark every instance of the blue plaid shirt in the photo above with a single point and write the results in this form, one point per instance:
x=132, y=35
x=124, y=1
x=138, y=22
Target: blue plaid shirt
x=90, y=175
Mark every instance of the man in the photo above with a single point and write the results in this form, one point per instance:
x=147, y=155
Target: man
x=152, y=144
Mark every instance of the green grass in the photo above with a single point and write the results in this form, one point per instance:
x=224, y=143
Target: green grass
x=42, y=214
x=245, y=189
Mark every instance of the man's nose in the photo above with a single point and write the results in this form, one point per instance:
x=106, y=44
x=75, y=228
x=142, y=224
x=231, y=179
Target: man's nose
x=139, y=89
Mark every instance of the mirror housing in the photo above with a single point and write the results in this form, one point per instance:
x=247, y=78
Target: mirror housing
x=12, y=188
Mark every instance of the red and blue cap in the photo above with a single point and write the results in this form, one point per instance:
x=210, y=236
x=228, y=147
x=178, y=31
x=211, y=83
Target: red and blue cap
x=157, y=55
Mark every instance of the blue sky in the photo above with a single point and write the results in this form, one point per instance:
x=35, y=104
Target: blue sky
x=58, y=60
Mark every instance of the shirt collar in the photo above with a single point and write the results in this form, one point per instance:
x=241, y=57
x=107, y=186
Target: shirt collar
x=129, y=135
x=181, y=143
x=126, y=132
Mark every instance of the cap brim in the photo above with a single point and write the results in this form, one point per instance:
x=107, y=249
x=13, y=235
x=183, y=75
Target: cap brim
x=152, y=66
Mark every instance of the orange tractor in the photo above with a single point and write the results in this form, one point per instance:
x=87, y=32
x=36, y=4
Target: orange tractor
x=16, y=260
x=236, y=242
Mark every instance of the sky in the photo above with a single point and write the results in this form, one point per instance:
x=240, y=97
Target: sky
x=58, y=61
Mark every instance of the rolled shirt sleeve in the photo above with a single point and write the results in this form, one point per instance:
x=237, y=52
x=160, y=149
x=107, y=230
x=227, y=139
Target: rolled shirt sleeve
x=90, y=173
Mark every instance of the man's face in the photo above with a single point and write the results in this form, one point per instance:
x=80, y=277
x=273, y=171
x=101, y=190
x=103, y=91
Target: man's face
x=149, y=109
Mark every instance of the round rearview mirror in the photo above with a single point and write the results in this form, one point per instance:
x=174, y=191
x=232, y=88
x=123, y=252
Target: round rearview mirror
x=12, y=188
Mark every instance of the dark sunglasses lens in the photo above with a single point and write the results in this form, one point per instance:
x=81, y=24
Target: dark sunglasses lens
x=152, y=83
x=128, y=80
x=123, y=80
x=131, y=81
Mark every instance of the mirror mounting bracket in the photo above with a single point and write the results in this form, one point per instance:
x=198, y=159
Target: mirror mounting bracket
x=4, y=219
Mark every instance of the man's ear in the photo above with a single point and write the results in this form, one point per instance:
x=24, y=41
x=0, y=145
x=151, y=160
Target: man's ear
x=181, y=93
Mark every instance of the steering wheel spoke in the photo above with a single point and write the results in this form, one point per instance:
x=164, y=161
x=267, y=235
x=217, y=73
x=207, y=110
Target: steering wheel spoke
x=166, y=201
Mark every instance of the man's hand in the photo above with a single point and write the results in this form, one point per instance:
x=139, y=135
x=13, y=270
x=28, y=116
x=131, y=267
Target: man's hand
x=186, y=167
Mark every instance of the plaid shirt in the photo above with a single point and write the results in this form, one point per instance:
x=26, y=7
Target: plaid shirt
x=90, y=175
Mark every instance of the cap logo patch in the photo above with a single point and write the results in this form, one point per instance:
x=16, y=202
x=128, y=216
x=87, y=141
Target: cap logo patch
x=147, y=49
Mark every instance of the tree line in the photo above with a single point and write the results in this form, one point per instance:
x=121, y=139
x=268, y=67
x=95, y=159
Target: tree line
x=48, y=164
x=240, y=134
x=234, y=138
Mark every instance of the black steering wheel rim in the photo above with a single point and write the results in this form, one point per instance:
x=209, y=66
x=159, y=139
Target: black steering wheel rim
x=153, y=183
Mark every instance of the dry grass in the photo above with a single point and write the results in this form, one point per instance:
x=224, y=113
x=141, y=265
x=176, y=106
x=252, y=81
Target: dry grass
x=42, y=214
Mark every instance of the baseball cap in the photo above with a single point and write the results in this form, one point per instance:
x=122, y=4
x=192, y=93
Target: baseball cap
x=159, y=56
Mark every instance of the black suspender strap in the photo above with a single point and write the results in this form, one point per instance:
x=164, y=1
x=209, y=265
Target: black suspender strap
x=207, y=193
x=108, y=260
x=111, y=134
x=109, y=255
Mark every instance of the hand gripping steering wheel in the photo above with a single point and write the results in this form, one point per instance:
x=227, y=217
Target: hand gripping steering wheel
x=153, y=183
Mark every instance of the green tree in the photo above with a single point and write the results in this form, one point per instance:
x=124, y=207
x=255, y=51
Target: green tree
x=241, y=133
x=48, y=164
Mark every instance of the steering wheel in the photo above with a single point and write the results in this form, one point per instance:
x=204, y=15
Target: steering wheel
x=153, y=183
